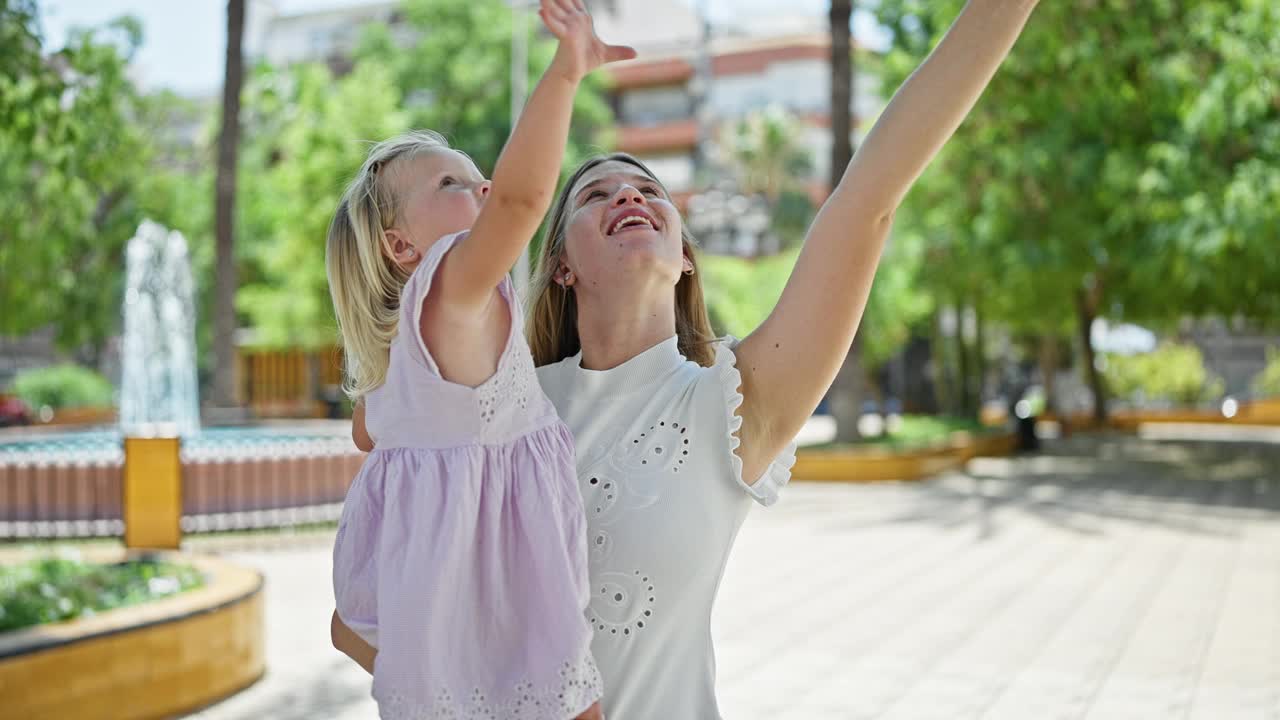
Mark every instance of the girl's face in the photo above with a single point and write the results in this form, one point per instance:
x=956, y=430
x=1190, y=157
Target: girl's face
x=620, y=223
x=441, y=193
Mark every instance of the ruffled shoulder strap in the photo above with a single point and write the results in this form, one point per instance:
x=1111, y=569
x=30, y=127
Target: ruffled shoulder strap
x=764, y=489
x=415, y=292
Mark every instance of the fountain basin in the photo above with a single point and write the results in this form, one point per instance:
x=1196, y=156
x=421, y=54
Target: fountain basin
x=70, y=484
x=157, y=659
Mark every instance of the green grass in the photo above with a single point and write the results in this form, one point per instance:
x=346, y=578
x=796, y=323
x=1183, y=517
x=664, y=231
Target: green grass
x=916, y=431
x=56, y=589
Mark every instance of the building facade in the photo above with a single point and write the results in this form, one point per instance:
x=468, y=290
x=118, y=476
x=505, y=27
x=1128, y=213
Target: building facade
x=689, y=83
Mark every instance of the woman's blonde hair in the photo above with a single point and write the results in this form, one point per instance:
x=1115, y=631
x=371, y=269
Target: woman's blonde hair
x=364, y=281
x=553, y=314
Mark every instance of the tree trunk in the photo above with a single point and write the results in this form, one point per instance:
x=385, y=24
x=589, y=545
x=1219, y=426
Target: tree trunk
x=943, y=387
x=107, y=203
x=850, y=385
x=847, y=395
x=841, y=89
x=1087, y=306
x=963, y=372
x=1049, y=371
x=979, y=360
x=224, y=214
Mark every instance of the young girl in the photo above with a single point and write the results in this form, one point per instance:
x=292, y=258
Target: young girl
x=460, y=554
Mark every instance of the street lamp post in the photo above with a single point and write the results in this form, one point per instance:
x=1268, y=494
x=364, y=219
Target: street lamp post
x=700, y=91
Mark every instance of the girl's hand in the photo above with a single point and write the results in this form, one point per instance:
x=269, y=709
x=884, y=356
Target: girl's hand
x=580, y=50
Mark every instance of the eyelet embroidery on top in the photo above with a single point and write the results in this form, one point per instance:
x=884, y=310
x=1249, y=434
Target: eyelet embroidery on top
x=601, y=546
x=620, y=480
x=664, y=447
x=523, y=378
x=579, y=685
x=510, y=386
x=621, y=604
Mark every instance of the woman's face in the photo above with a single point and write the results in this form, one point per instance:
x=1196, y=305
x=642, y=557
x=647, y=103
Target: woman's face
x=621, y=226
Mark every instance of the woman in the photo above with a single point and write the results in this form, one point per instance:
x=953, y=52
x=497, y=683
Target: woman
x=676, y=433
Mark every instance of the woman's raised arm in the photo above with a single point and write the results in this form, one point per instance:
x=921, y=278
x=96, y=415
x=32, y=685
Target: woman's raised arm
x=792, y=358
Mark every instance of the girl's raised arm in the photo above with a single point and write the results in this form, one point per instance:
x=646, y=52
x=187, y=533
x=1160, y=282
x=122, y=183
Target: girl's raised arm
x=526, y=174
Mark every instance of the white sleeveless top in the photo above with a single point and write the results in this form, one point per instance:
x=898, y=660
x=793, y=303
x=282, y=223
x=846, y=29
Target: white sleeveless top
x=664, y=497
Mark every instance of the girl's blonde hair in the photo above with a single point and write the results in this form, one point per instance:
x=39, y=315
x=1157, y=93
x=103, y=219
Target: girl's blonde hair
x=364, y=281
x=553, y=314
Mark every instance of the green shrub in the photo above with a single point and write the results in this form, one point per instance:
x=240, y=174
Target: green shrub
x=63, y=386
x=1171, y=373
x=57, y=589
x=915, y=431
x=1267, y=382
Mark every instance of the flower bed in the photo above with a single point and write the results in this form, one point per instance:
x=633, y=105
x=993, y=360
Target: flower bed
x=158, y=658
x=59, y=588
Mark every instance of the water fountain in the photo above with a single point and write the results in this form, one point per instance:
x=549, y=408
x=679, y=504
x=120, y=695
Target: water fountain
x=73, y=483
x=158, y=393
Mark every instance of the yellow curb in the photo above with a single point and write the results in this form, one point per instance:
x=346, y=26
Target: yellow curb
x=155, y=660
x=874, y=464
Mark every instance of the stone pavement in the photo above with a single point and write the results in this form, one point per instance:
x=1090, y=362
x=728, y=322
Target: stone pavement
x=1110, y=577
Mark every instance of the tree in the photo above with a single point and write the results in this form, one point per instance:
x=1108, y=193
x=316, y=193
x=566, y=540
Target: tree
x=73, y=157
x=224, y=348
x=1123, y=161
x=311, y=131
x=446, y=67
x=850, y=386
x=897, y=304
x=455, y=76
x=767, y=152
x=741, y=292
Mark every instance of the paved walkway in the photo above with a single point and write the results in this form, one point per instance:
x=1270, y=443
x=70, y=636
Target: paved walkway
x=1106, y=578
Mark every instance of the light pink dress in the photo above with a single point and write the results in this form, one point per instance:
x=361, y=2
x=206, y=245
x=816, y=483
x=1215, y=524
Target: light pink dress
x=461, y=550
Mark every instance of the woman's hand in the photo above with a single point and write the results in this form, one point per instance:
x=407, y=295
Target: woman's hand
x=580, y=50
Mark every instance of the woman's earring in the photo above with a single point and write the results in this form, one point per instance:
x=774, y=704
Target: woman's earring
x=690, y=271
x=568, y=278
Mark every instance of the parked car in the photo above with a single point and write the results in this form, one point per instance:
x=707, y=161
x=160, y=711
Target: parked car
x=13, y=411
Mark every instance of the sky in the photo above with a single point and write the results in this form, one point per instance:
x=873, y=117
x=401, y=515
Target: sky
x=184, y=40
